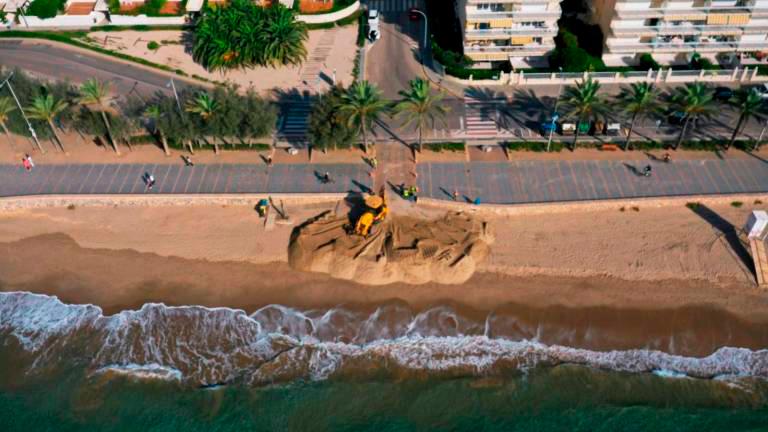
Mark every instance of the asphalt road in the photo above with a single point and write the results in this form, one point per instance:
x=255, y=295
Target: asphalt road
x=54, y=62
x=393, y=60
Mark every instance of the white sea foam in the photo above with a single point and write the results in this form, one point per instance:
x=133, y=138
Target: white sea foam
x=208, y=346
x=144, y=372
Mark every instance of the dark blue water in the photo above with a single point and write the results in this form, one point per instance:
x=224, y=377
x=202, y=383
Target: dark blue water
x=563, y=398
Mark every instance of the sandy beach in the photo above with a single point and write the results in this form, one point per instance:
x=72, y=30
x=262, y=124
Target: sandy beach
x=122, y=257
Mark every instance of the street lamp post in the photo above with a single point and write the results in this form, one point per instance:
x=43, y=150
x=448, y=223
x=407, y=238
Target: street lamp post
x=555, y=116
x=414, y=10
x=21, y=110
x=760, y=138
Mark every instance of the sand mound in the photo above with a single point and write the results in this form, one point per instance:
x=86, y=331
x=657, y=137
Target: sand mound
x=401, y=249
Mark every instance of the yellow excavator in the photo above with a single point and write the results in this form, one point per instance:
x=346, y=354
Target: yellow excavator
x=375, y=212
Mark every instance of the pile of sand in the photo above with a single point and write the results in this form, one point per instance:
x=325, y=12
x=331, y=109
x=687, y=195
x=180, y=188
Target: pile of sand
x=446, y=250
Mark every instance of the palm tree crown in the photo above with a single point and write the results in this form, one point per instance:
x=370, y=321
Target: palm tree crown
x=583, y=102
x=420, y=106
x=94, y=92
x=640, y=99
x=361, y=105
x=203, y=105
x=46, y=108
x=695, y=101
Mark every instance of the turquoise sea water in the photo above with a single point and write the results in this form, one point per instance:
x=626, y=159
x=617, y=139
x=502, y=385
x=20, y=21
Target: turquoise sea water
x=563, y=398
x=71, y=368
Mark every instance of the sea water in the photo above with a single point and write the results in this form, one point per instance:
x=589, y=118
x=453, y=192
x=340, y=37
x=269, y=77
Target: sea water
x=69, y=367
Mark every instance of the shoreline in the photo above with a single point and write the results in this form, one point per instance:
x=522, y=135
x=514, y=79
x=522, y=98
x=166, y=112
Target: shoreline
x=551, y=277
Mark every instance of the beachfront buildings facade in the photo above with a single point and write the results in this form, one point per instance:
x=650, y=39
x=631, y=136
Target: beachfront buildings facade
x=521, y=32
x=672, y=30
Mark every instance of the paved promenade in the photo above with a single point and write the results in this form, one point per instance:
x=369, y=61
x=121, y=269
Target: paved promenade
x=547, y=181
x=180, y=179
x=492, y=182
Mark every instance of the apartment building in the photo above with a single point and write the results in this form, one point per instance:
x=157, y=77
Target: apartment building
x=672, y=30
x=521, y=32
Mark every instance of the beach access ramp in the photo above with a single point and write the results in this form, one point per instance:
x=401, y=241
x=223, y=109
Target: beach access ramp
x=757, y=232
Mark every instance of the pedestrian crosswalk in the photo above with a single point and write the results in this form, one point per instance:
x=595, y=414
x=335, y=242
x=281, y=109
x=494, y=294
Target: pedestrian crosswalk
x=295, y=122
x=392, y=5
x=480, y=117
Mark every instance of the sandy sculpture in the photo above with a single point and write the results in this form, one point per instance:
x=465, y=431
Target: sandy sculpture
x=446, y=250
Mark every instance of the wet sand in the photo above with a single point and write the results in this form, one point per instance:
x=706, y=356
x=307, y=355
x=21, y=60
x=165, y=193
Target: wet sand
x=686, y=317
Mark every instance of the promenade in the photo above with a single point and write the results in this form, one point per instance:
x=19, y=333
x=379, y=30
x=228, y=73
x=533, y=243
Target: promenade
x=535, y=181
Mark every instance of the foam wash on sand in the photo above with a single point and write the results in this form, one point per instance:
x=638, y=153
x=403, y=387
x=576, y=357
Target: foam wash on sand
x=69, y=367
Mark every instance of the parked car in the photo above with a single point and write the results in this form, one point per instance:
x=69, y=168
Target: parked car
x=723, y=94
x=613, y=129
x=762, y=90
x=374, y=33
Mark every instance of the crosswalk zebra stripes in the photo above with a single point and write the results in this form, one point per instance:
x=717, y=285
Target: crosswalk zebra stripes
x=392, y=5
x=480, y=117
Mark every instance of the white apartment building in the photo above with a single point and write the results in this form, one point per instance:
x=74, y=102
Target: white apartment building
x=672, y=30
x=521, y=32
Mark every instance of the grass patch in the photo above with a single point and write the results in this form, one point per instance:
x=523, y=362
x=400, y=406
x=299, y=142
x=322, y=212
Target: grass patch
x=152, y=45
x=736, y=204
x=533, y=146
x=445, y=146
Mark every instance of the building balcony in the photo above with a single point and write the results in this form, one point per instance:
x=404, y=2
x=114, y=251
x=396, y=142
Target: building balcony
x=691, y=13
x=689, y=30
x=512, y=15
x=683, y=47
x=511, y=49
x=504, y=33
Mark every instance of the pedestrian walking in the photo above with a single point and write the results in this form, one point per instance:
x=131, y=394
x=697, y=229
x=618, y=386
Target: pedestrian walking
x=414, y=191
x=476, y=201
x=455, y=194
x=149, y=180
x=666, y=158
x=405, y=192
x=374, y=162
x=327, y=178
x=647, y=171
x=187, y=161
x=268, y=160
x=31, y=162
x=26, y=164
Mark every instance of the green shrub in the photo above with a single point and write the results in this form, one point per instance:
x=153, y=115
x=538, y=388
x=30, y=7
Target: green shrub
x=693, y=205
x=647, y=62
x=736, y=204
x=533, y=146
x=152, y=45
x=571, y=57
x=46, y=8
x=445, y=146
x=320, y=26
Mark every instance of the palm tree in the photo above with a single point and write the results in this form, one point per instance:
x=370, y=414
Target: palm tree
x=205, y=107
x=749, y=104
x=583, y=102
x=420, y=106
x=694, y=101
x=153, y=113
x=96, y=93
x=6, y=107
x=283, y=40
x=639, y=100
x=362, y=105
x=46, y=108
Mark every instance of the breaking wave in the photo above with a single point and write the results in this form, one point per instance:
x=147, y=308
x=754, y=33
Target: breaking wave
x=210, y=346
